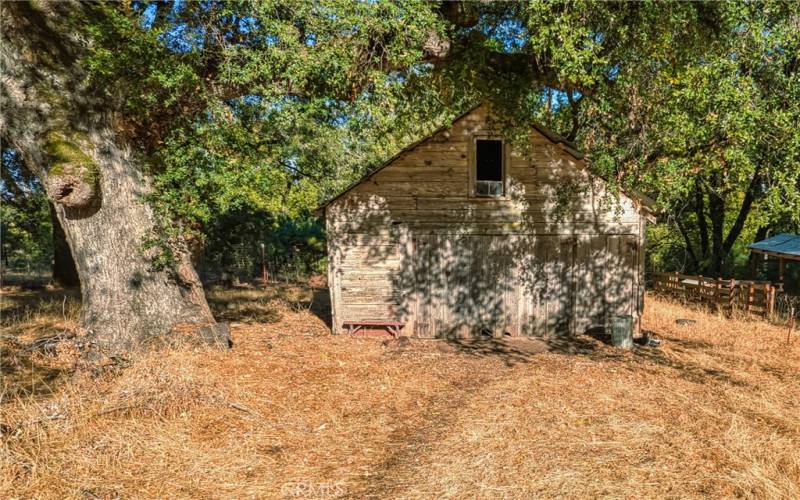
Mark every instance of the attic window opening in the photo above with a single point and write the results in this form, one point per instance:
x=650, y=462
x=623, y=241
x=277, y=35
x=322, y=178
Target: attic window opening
x=489, y=167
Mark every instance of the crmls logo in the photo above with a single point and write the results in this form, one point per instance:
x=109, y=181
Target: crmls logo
x=313, y=490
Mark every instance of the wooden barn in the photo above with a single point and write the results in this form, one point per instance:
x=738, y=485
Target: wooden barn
x=461, y=235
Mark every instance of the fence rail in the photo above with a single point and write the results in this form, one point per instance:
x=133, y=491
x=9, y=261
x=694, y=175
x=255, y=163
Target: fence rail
x=757, y=297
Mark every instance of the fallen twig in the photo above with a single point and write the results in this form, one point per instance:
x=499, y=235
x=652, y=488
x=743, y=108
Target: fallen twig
x=116, y=408
x=245, y=409
x=7, y=429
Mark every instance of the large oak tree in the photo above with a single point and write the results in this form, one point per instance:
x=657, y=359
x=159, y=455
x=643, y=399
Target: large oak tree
x=91, y=93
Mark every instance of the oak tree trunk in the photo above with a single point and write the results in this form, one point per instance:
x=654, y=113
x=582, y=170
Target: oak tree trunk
x=95, y=179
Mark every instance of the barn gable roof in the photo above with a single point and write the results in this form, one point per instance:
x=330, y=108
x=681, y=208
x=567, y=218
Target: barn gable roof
x=568, y=147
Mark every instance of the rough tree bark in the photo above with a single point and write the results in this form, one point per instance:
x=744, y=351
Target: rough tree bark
x=94, y=178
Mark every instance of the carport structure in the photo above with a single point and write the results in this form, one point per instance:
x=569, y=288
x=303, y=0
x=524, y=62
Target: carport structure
x=782, y=247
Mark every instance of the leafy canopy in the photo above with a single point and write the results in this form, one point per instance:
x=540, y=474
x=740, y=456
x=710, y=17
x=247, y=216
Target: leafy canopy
x=274, y=106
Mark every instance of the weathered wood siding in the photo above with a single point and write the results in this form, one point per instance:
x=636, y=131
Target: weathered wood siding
x=410, y=243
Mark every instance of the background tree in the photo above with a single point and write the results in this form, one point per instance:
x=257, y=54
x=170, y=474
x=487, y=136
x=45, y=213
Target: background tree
x=714, y=139
x=26, y=238
x=32, y=236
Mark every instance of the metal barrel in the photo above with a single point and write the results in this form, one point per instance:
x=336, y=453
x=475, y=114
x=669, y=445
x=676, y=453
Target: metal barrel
x=622, y=331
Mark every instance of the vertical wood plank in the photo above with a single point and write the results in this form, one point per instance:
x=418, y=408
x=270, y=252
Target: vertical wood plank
x=421, y=271
x=512, y=287
x=612, y=294
x=334, y=279
x=407, y=275
x=582, y=277
x=475, y=284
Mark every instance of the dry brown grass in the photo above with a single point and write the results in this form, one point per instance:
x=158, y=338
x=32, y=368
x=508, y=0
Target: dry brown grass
x=293, y=411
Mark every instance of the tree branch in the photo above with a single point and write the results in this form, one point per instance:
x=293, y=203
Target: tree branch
x=700, y=213
x=302, y=173
x=687, y=243
x=573, y=108
x=744, y=211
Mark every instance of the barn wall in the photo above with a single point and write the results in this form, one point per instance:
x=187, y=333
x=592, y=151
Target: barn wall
x=411, y=243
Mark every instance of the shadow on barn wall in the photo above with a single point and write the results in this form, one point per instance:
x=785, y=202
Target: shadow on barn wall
x=554, y=255
x=448, y=281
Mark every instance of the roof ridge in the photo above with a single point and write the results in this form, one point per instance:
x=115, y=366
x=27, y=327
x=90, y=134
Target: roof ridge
x=558, y=140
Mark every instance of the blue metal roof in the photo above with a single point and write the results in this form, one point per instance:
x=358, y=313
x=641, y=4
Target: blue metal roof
x=781, y=244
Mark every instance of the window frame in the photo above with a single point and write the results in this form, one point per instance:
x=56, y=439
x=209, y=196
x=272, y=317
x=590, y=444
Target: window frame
x=473, y=166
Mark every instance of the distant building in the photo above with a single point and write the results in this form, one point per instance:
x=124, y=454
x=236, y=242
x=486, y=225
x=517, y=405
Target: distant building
x=783, y=247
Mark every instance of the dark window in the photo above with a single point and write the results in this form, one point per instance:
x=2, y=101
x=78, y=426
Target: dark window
x=489, y=160
x=488, y=167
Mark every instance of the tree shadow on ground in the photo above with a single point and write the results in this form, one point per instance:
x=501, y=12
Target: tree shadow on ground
x=524, y=350
x=321, y=305
x=687, y=370
x=243, y=305
x=251, y=304
x=26, y=302
x=33, y=368
x=24, y=374
x=595, y=344
x=243, y=312
x=510, y=351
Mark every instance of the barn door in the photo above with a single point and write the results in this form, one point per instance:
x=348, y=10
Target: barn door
x=443, y=294
x=532, y=280
x=560, y=294
x=486, y=303
x=623, y=256
x=457, y=306
x=495, y=284
x=591, y=265
x=466, y=286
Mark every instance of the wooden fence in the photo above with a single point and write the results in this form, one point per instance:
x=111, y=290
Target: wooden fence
x=757, y=297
